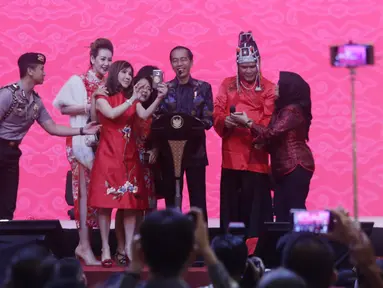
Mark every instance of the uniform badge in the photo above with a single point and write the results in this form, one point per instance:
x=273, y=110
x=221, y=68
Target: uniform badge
x=41, y=58
x=35, y=111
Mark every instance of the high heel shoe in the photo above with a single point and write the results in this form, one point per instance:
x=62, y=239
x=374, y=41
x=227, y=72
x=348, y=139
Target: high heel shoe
x=120, y=258
x=88, y=260
x=106, y=263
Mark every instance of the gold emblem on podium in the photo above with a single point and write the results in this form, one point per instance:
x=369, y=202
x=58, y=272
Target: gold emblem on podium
x=177, y=122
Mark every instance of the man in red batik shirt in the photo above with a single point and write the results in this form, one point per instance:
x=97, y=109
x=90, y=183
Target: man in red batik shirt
x=245, y=186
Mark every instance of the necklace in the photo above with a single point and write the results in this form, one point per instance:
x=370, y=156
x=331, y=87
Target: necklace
x=93, y=77
x=247, y=88
x=91, y=82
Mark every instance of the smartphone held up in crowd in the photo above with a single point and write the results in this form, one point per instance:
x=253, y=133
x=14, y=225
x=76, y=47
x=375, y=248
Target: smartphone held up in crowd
x=318, y=222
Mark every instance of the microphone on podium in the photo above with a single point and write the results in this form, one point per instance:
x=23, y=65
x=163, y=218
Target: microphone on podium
x=232, y=109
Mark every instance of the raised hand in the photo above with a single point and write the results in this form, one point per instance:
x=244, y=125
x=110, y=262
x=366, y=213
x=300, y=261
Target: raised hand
x=162, y=90
x=137, y=91
x=101, y=90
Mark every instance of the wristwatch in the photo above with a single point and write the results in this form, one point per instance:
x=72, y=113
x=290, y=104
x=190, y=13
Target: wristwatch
x=82, y=131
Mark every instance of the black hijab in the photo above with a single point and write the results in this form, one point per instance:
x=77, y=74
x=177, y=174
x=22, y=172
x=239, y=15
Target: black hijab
x=293, y=90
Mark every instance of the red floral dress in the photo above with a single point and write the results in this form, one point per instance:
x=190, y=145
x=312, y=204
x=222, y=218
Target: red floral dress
x=143, y=128
x=117, y=178
x=91, y=83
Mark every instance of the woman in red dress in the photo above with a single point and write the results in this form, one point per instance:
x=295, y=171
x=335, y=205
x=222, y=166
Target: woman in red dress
x=147, y=156
x=117, y=178
x=74, y=99
x=141, y=130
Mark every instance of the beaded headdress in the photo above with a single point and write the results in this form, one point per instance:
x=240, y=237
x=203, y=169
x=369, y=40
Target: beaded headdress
x=247, y=52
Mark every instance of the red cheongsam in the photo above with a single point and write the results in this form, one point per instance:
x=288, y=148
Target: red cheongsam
x=117, y=177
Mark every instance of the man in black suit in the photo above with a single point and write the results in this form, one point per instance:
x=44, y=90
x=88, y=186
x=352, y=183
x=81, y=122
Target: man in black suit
x=193, y=97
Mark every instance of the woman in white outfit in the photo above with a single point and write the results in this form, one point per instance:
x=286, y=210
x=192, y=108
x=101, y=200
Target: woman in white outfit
x=74, y=99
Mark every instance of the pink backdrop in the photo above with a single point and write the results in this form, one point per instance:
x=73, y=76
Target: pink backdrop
x=291, y=34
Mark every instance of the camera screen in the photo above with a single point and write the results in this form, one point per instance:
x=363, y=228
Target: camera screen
x=311, y=221
x=351, y=55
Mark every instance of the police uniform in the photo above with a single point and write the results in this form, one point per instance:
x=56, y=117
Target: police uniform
x=18, y=112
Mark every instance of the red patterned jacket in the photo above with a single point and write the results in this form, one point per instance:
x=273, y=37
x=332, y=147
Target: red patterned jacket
x=285, y=139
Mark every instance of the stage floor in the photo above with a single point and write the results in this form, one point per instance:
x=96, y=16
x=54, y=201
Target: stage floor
x=214, y=222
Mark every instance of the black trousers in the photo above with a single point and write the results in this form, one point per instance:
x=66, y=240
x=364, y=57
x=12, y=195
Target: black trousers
x=9, y=178
x=196, y=183
x=291, y=192
x=245, y=197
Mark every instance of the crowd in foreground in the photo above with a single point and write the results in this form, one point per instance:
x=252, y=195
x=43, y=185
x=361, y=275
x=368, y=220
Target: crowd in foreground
x=168, y=242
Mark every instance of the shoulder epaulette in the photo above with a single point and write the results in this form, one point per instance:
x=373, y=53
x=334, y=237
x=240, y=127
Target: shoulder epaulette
x=35, y=94
x=13, y=87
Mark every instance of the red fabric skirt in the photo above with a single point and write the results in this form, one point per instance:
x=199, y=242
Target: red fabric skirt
x=91, y=219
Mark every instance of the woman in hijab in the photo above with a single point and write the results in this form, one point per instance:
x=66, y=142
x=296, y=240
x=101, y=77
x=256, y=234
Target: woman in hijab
x=286, y=138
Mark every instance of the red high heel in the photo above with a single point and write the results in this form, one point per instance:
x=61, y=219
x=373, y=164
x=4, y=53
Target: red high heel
x=107, y=263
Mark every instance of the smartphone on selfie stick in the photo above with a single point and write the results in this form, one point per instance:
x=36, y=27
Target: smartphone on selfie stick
x=352, y=55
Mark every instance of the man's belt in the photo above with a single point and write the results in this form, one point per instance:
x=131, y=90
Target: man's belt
x=10, y=143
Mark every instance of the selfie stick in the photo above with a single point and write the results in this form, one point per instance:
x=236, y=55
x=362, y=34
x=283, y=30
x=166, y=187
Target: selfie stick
x=353, y=131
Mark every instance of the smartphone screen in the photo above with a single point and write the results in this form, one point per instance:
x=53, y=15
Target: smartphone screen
x=352, y=55
x=318, y=222
x=158, y=77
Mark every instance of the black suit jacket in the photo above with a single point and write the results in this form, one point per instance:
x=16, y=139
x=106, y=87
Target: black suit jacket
x=194, y=98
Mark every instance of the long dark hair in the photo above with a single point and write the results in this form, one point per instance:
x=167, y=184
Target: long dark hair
x=147, y=73
x=293, y=89
x=113, y=85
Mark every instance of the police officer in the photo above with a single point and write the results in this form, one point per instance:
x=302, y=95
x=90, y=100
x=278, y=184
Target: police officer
x=20, y=106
